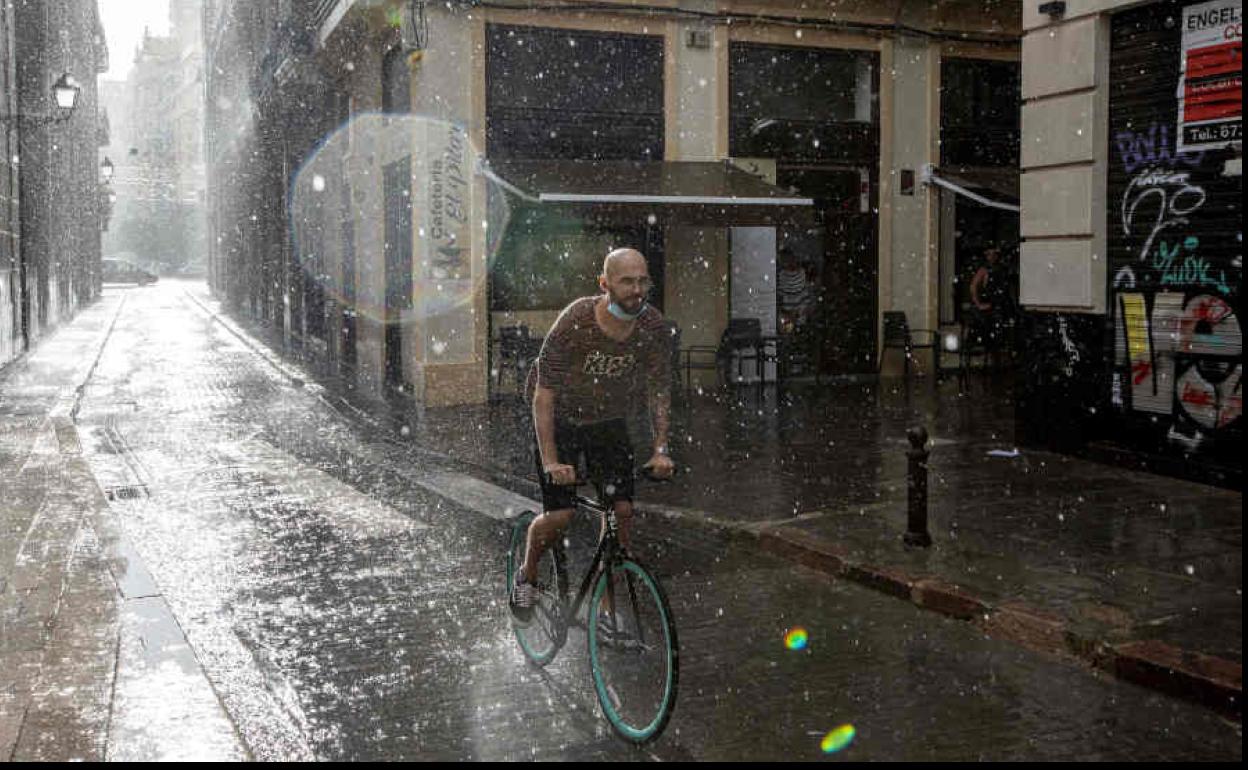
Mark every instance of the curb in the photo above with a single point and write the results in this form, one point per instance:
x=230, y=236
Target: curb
x=1213, y=681
x=1208, y=680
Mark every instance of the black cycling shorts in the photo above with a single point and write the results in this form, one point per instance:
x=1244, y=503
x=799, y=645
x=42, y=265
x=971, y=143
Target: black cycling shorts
x=604, y=452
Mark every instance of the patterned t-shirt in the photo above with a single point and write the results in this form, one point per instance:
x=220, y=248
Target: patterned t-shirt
x=595, y=377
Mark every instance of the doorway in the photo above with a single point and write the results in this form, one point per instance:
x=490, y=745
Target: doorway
x=397, y=178
x=840, y=257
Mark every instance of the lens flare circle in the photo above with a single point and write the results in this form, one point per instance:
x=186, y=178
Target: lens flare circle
x=796, y=639
x=394, y=225
x=837, y=739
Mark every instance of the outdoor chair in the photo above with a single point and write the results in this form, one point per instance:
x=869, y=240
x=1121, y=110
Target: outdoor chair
x=797, y=353
x=699, y=358
x=899, y=335
x=743, y=339
x=979, y=339
x=970, y=343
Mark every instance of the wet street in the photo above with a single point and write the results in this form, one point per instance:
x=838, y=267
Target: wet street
x=301, y=585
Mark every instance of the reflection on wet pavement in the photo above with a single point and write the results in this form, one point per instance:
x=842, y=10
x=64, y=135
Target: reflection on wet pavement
x=342, y=611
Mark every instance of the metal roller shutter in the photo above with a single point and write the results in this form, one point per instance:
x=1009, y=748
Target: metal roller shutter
x=1175, y=257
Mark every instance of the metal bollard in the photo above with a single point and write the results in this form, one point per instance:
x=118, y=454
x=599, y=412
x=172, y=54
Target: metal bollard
x=916, y=481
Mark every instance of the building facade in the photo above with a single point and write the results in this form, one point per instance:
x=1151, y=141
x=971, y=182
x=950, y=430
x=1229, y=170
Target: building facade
x=50, y=257
x=157, y=120
x=1132, y=267
x=191, y=186
x=11, y=297
x=843, y=108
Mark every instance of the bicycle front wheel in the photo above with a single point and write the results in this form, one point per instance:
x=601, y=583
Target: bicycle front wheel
x=633, y=653
x=545, y=634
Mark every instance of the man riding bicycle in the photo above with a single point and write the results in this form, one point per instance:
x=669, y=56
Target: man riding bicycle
x=600, y=356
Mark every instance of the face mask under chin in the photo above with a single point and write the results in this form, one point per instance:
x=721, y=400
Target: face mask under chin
x=619, y=312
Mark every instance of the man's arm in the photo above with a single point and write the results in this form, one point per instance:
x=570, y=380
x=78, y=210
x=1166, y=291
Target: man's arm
x=544, y=423
x=660, y=418
x=659, y=393
x=981, y=275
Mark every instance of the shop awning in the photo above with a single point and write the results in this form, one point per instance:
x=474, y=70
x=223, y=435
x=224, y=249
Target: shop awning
x=995, y=188
x=707, y=194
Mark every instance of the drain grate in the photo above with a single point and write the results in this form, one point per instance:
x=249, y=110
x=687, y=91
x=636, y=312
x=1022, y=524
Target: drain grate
x=67, y=438
x=126, y=492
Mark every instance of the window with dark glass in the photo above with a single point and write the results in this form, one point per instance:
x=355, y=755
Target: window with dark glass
x=396, y=87
x=979, y=112
x=793, y=103
x=554, y=93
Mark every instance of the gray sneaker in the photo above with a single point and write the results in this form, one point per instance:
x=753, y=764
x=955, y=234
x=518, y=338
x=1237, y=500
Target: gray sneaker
x=524, y=597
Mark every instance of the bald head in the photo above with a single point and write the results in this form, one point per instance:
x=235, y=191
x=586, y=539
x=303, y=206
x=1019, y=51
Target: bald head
x=625, y=279
x=622, y=261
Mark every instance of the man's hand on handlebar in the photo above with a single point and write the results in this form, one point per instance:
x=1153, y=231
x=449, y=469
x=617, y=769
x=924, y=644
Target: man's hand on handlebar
x=560, y=474
x=660, y=466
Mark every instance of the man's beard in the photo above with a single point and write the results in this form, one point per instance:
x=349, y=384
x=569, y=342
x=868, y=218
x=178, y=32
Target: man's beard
x=625, y=310
x=631, y=305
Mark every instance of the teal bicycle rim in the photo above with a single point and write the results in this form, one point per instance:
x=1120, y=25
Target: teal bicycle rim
x=519, y=531
x=648, y=585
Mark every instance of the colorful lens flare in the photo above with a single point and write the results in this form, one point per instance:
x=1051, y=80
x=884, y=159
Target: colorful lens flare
x=796, y=639
x=837, y=739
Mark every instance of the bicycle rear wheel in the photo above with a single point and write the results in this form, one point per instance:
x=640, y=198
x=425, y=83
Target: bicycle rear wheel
x=541, y=638
x=633, y=653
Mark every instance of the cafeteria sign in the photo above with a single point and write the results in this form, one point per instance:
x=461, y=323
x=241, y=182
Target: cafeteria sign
x=1211, y=83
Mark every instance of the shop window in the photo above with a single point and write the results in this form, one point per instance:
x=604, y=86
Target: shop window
x=812, y=104
x=546, y=260
x=979, y=112
x=572, y=94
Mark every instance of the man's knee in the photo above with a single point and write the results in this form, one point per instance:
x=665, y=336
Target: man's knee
x=551, y=523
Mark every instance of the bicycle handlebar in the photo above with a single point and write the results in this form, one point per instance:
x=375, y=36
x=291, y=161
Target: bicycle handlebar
x=638, y=473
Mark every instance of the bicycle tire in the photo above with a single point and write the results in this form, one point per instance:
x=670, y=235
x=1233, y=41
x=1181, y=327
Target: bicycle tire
x=652, y=693
x=546, y=634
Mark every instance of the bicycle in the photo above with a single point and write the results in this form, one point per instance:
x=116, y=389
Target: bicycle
x=633, y=653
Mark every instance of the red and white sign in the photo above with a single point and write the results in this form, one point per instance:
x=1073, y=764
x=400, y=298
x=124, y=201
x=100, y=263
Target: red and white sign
x=1211, y=83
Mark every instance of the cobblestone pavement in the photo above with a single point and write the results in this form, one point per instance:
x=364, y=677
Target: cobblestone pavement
x=1134, y=572
x=341, y=609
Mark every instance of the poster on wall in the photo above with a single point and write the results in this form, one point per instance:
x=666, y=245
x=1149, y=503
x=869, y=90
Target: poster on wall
x=1211, y=81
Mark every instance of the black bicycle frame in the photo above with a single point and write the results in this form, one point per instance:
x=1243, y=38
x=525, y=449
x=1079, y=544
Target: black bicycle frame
x=608, y=549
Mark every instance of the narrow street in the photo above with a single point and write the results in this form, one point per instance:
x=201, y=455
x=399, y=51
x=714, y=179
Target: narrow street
x=334, y=606
x=928, y=312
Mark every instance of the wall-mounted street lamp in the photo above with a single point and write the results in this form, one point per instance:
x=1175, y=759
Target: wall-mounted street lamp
x=1055, y=9
x=64, y=94
x=66, y=90
x=106, y=170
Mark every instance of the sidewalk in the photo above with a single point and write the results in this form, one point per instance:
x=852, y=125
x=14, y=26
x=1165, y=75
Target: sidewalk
x=1135, y=574
x=56, y=678
x=89, y=650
